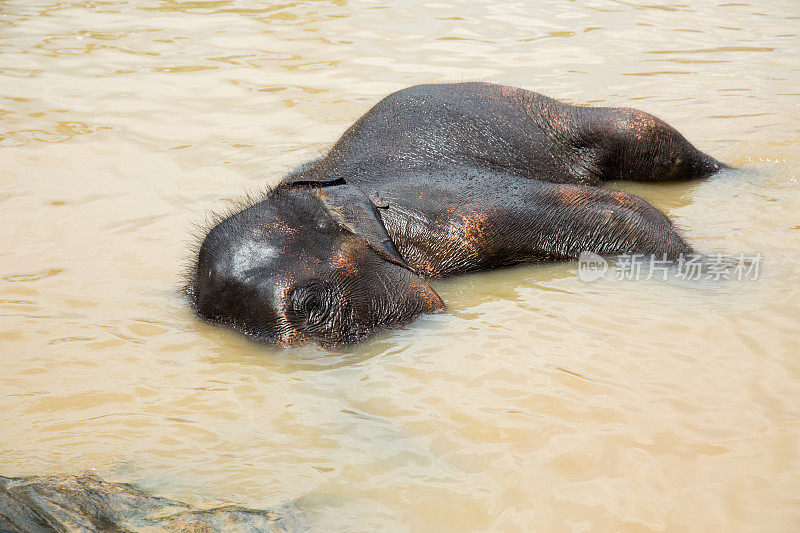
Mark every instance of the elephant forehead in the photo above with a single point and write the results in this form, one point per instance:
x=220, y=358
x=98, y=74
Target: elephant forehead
x=278, y=241
x=277, y=226
x=252, y=254
x=280, y=265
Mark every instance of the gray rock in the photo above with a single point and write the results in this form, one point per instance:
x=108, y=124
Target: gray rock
x=86, y=503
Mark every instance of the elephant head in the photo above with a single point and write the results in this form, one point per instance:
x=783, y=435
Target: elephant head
x=312, y=262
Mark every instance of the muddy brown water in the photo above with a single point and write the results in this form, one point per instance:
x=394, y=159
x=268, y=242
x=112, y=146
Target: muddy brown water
x=538, y=402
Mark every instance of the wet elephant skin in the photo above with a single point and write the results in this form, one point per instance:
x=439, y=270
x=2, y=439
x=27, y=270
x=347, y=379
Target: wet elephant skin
x=433, y=181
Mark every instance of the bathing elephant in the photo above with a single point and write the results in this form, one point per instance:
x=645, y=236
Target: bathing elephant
x=436, y=180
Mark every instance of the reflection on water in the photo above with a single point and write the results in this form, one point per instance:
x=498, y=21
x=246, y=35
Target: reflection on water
x=538, y=402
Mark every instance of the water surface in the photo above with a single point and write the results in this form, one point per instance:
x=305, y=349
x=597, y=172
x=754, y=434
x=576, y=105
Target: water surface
x=539, y=402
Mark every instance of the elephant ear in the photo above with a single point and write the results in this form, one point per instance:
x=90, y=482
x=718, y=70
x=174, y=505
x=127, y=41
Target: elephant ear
x=357, y=213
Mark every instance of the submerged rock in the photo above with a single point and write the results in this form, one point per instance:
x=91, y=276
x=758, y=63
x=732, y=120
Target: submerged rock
x=86, y=503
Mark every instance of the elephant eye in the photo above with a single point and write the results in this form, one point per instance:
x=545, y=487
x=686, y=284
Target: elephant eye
x=311, y=303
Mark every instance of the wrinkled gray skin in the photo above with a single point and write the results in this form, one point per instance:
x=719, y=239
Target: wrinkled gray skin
x=85, y=503
x=437, y=180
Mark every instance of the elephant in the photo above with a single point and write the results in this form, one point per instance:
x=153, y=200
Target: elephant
x=436, y=180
